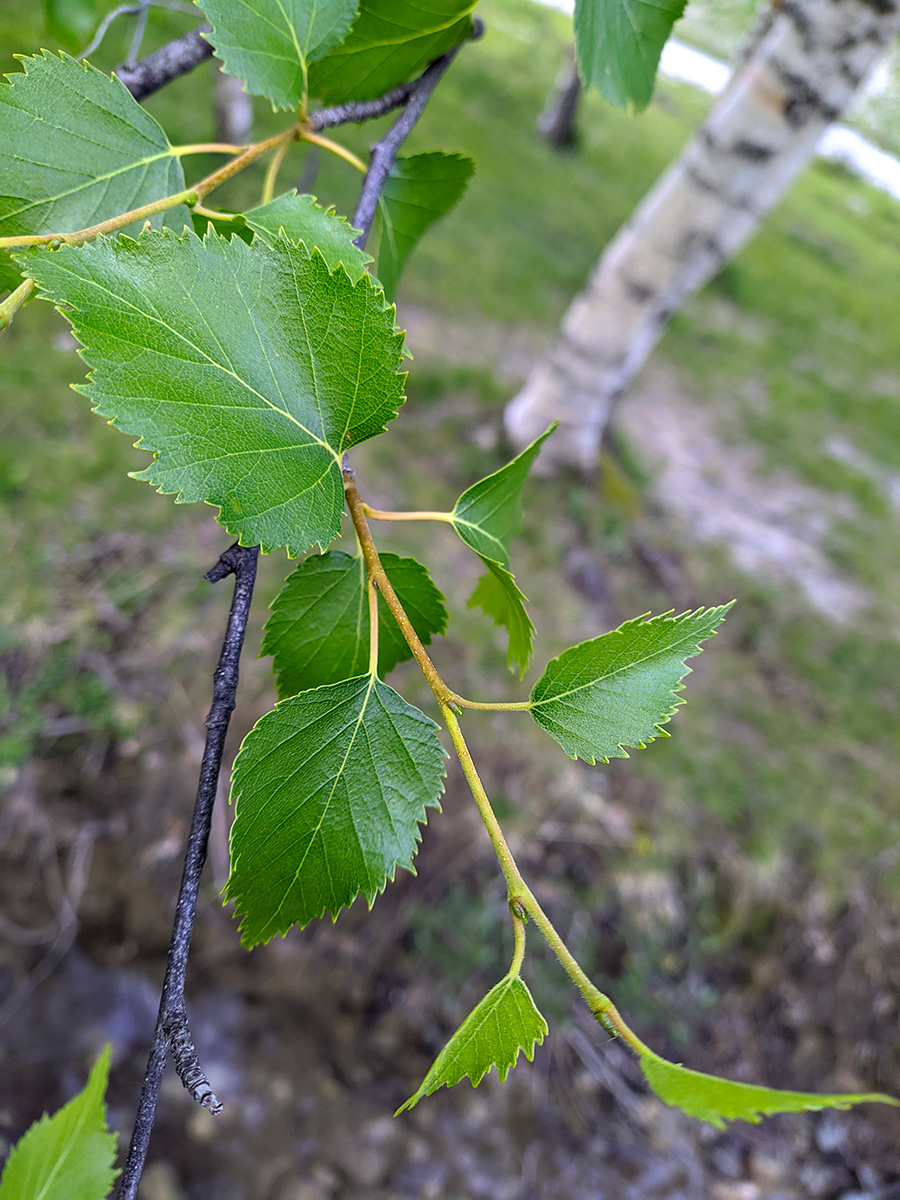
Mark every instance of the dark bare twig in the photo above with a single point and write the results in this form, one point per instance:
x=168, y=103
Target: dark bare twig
x=384, y=153
x=171, y=1023
x=167, y=63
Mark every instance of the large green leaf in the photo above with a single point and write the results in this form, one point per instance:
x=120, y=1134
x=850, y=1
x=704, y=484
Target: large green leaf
x=269, y=44
x=247, y=370
x=488, y=515
x=69, y=1156
x=318, y=632
x=390, y=41
x=498, y=595
x=619, y=690
x=76, y=148
x=618, y=44
x=715, y=1100
x=505, y=1022
x=418, y=191
x=329, y=790
x=303, y=220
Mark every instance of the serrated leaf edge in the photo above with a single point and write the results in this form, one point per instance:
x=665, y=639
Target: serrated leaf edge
x=677, y=701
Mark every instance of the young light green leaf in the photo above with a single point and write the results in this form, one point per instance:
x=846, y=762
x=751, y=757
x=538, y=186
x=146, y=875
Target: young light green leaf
x=418, y=191
x=301, y=219
x=61, y=172
x=618, y=44
x=68, y=1155
x=505, y=1022
x=329, y=790
x=390, y=41
x=488, y=515
x=269, y=44
x=715, y=1100
x=498, y=595
x=619, y=690
x=318, y=632
x=247, y=370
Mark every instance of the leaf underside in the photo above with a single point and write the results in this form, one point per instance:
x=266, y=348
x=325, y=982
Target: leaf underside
x=419, y=191
x=497, y=594
x=487, y=516
x=716, y=1101
x=329, y=791
x=269, y=43
x=318, y=632
x=69, y=1155
x=246, y=370
x=390, y=41
x=503, y=1023
x=301, y=219
x=618, y=44
x=619, y=689
x=59, y=174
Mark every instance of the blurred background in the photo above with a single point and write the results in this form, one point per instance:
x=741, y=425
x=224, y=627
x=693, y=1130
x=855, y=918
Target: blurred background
x=736, y=887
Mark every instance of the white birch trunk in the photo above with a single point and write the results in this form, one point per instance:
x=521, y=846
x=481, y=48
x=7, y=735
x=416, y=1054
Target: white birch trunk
x=758, y=137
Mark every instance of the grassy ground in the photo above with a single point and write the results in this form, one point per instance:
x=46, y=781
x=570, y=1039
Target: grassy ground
x=784, y=761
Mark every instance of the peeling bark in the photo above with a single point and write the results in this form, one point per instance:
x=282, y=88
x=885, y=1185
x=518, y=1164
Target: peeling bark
x=758, y=137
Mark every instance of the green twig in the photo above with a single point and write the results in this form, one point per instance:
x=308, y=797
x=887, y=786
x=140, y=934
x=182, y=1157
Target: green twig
x=190, y=196
x=14, y=302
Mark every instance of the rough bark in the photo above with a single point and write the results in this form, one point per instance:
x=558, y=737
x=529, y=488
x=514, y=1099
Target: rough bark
x=756, y=140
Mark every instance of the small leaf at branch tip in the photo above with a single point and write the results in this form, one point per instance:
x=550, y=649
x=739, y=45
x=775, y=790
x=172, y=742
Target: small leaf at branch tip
x=503, y=1023
x=715, y=1100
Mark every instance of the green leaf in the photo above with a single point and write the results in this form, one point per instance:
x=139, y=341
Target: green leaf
x=488, y=515
x=301, y=219
x=390, y=41
x=68, y=1156
x=618, y=690
x=498, y=595
x=247, y=370
x=269, y=44
x=318, y=632
x=76, y=148
x=618, y=44
x=505, y=1022
x=418, y=191
x=329, y=790
x=715, y=1100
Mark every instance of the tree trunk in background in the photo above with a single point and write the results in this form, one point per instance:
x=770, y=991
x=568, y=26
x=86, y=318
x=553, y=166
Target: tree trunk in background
x=759, y=136
x=556, y=124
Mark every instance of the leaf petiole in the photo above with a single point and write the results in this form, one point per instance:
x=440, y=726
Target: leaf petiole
x=307, y=135
x=14, y=301
x=492, y=706
x=191, y=196
x=372, y=595
x=207, y=148
x=378, y=514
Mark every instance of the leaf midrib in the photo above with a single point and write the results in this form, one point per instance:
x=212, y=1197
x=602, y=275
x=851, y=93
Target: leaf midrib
x=637, y=662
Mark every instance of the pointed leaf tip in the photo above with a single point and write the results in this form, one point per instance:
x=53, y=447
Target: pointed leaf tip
x=618, y=690
x=715, y=1100
x=503, y=1023
x=68, y=1154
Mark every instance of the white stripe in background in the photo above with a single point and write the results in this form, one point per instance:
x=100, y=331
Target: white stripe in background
x=839, y=142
